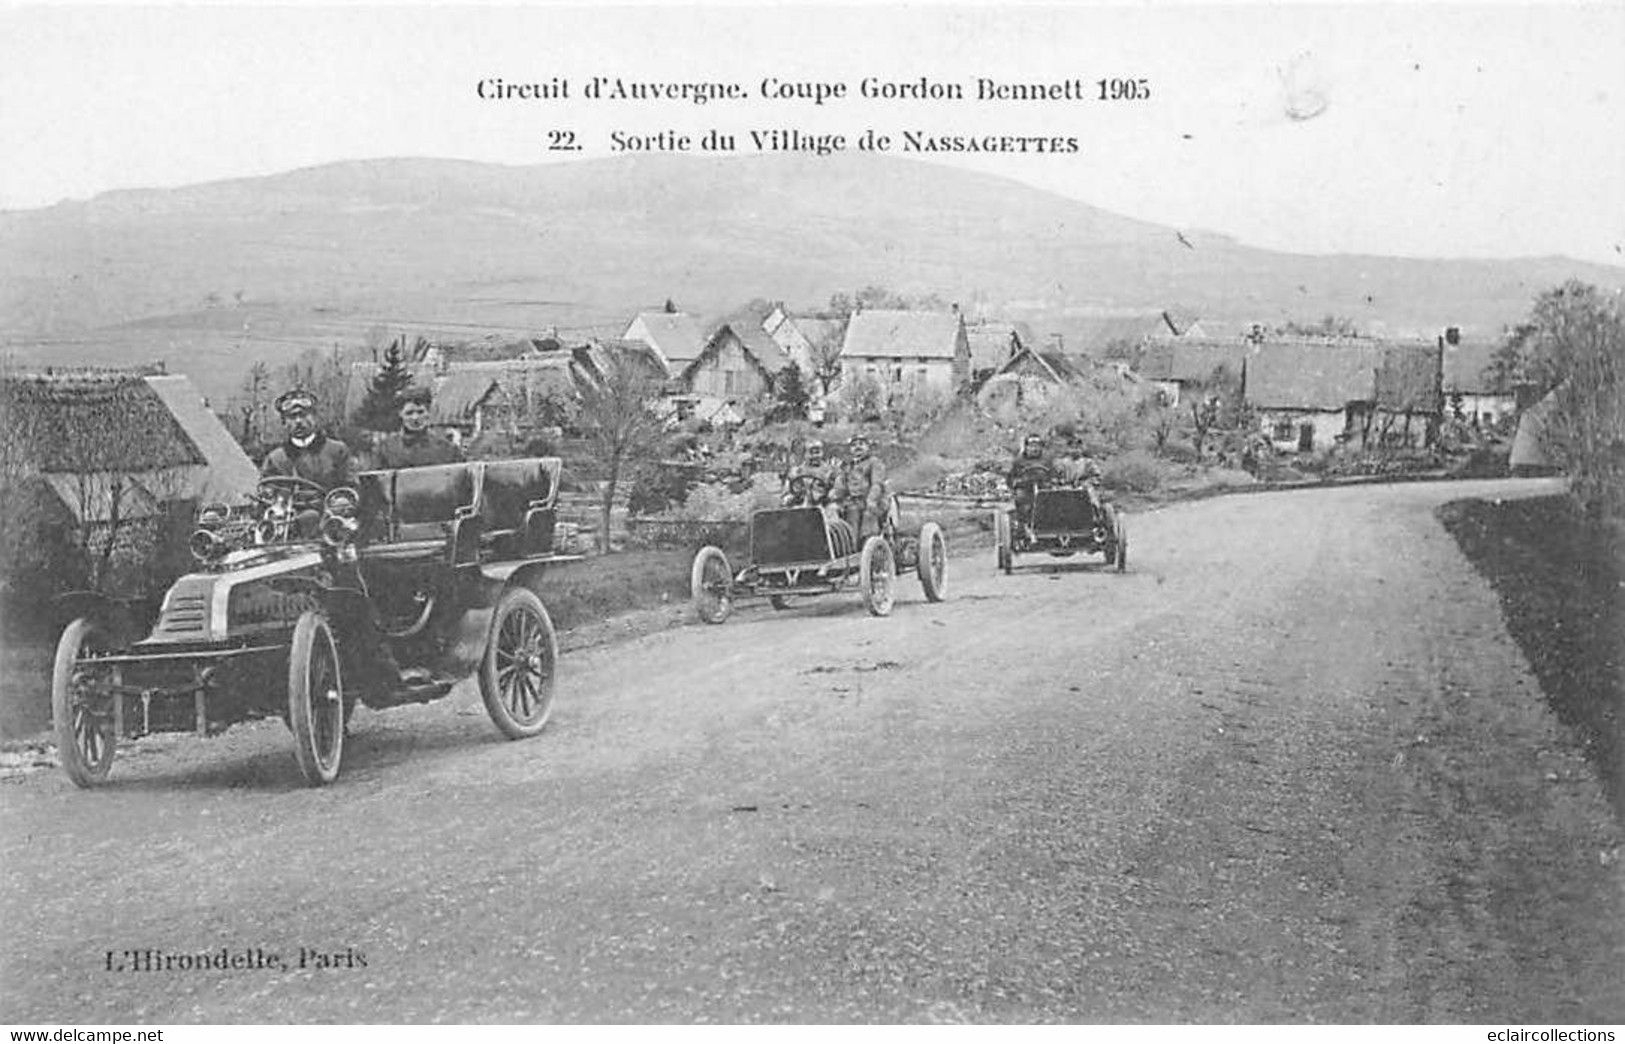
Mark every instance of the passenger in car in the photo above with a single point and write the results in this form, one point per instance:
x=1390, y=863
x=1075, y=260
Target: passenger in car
x=416, y=444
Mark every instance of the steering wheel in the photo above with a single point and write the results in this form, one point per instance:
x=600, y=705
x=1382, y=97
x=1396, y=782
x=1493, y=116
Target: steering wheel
x=305, y=494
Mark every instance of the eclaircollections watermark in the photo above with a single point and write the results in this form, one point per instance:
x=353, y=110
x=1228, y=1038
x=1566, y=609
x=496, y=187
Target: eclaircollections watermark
x=234, y=959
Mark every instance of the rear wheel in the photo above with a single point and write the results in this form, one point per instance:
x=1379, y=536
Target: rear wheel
x=877, y=571
x=315, y=699
x=933, y=562
x=85, y=733
x=520, y=662
x=711, y=585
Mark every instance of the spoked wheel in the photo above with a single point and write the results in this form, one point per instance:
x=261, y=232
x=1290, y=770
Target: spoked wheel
x=315, y=699
x=877, y=573
x=710, y=585
x=85, y=734
x=933, y=564
x=521, y=659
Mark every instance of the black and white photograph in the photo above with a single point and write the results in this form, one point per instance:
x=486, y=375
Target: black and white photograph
x=801, y=514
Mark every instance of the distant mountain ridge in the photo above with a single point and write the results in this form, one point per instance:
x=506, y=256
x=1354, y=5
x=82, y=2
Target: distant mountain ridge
x=216, y=271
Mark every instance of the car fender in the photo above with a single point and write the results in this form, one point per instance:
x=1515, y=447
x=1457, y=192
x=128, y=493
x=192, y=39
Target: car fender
x=126, y=619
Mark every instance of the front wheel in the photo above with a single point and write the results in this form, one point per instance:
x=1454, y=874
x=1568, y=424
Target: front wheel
x=710, y=585
x=876, y=571
x=520, y=661
x=933, y=562
x=315, y=699
x=83, y=718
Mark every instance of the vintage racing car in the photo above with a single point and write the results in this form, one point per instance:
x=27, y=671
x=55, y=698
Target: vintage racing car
x=798, y=551
x=304, y=602
x=1060, y=521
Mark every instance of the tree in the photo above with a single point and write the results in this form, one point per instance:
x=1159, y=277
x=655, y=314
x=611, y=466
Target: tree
x=1329, y=326
x=825, y=357
x=872, y=296
x=619, y=425
x=378, y=410
x=252, y=405
x=1573, y=346
x=1216, y=406
x=790, y=398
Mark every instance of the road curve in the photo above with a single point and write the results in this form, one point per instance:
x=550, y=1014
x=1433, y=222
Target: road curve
x=1290, y=767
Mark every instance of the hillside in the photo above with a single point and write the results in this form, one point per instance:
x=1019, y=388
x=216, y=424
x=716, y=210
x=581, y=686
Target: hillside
x=211, y=276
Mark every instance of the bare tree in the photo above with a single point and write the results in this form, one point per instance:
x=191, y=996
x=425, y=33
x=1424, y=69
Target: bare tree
x=620, y=425
x=825, y=357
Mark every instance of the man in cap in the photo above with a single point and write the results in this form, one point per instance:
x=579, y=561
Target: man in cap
x=809, y=483
x=1032, y=469
x=861, y=489
x=307, y=453
x=416, y=444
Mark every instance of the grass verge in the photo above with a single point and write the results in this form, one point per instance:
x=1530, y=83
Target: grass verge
x=1561, y=583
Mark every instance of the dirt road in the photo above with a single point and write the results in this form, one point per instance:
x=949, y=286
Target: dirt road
x=1288, y=768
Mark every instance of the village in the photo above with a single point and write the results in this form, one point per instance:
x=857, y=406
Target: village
x=1159, y=398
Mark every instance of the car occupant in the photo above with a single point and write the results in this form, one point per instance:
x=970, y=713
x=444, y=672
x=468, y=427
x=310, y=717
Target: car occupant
x=416, y=444
x=861, y=489
x=307, y=453
x=810, y=483
x=1032, y=469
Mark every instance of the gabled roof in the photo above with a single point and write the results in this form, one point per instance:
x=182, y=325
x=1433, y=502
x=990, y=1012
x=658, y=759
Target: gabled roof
x=759, y=348
x=1097, y=333
x=992, y=344
x=90, y=497
x=1190, y=362
x=227, y=473
x=1408, y=378
x=90, y=421
x=459, y=392
x=820, y=330
x=675, y=335
x=1313, y=375
x=1179, y=320
x=1466, y=365
x=639, y=353
x=892, y=333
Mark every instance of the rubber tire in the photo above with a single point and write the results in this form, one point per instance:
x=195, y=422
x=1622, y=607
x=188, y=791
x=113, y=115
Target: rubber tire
x=514, y=716
x=86, y=768
x=932, y=566
x=313, y=641
x=709, y=608
x=877, y=562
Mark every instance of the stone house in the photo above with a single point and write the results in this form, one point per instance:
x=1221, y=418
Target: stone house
x=907, y=351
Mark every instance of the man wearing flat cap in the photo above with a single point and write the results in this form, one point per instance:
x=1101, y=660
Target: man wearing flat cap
x=307, y=453
x=416, y=444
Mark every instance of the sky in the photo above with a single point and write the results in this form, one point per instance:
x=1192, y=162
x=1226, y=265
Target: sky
x=1418, y=130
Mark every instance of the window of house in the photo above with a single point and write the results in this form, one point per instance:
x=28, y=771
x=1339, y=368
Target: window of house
x=1283, y=431
x=730, y=380
x=897, y=374
x=1489, y=416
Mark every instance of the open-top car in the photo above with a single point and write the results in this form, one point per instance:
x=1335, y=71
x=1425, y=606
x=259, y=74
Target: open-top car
x=303, y=603
x=796, y=551
x=1059, y=521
